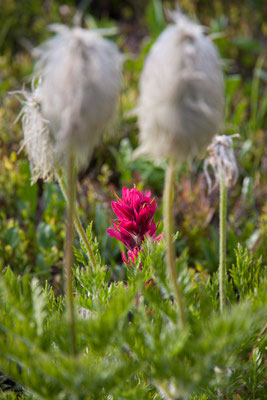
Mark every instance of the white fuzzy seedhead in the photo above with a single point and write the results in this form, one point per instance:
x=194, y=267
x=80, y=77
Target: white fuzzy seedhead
x=181, y=103
x=221, y=159
x=79, y=84
x=38, y=142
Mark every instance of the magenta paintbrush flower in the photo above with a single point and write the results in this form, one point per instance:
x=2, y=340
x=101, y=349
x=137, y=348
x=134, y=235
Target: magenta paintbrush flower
x=134, y=221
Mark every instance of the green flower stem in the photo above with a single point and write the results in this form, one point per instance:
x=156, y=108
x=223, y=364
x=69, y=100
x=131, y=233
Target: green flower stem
x=168, y=225
x=77, y=222
x=222, y=263
x=69, y=250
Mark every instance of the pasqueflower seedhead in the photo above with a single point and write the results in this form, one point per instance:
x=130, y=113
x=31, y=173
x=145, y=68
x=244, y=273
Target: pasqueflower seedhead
x=79, y=79
x=135, y=212
x=181, y=104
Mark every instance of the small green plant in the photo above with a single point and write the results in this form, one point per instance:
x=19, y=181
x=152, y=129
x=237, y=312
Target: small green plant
x=128, y=340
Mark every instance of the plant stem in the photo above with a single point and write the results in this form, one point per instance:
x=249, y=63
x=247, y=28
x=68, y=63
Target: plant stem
x=77, y=222
x=168, y=225
x=69, y=250
x=222, y=264
x=165, y=389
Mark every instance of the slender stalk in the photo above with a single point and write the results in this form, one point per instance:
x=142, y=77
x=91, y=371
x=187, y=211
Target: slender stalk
x=168, y=225
x=165, y=390
x=222, y=263
x=77, y=222
x=69, y=251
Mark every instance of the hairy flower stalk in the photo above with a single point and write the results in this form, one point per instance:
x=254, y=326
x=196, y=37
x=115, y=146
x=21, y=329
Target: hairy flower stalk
x=68, y=250
x=77, y=221
x=222, y=236
x=78, y=86
x=181, y=107
x=168, y=223
x=223, y=163
x=135, y=212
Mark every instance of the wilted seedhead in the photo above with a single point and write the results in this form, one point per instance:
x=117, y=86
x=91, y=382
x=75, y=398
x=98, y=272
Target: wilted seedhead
x=79, y=83
x=181, y=103
x=38, y=142
x=222, y=160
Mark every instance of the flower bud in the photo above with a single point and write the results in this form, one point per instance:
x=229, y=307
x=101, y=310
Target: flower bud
x=79, y=84
x=181, y=103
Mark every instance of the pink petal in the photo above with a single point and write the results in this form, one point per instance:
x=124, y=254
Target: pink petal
x=121, y=210
x=125, y=194
x=152, y=229
x=130, y=226
x=135, y=200
x=123, y=236
x=132, y=256
x=158, y=238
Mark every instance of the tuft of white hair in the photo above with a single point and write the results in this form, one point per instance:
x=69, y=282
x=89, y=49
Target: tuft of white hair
x=38, y=142
x=80, y=75
x=181, y=104
x=222, y=160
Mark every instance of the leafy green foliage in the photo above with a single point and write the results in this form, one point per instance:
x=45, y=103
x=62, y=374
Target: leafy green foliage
x=247, y=273
x=128, y=332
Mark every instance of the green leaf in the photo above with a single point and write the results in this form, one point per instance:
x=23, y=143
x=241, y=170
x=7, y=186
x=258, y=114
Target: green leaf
x=11, y=237
x=45, y=235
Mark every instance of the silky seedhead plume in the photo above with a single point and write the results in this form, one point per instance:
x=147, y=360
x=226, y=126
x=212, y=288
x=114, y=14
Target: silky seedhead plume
x=38, y=141
x=181, y=103
x=79, y=75
x=78, y=84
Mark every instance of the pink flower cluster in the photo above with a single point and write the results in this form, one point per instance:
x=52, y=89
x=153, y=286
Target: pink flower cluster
x=134, y=221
